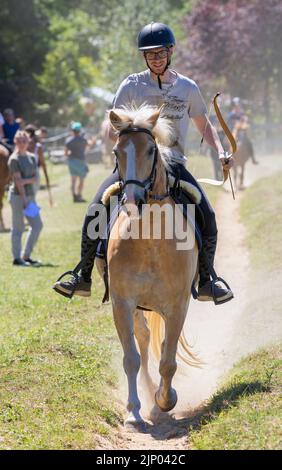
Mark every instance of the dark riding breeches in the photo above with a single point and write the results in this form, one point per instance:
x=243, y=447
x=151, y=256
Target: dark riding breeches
x=209, y=230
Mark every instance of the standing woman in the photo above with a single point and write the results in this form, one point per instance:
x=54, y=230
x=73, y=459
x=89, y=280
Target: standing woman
x=23, y=170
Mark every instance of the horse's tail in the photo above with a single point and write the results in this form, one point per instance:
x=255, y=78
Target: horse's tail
x=156, y=325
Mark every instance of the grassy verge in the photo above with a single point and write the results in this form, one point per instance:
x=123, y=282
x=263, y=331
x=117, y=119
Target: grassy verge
x=245, y=413
x=261, y=213
x=55, y=354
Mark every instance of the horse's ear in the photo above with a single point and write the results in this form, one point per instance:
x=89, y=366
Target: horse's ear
x=155, y=116
x=116, y=121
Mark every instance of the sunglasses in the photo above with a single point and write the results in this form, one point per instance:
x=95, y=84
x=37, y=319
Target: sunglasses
x=157, y=55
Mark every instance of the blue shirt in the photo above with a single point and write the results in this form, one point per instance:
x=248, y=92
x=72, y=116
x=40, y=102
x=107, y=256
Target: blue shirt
x=10, y=131
x=77, y=145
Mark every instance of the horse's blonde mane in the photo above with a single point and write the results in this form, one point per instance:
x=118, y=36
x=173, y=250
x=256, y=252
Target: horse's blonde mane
x=139, y=117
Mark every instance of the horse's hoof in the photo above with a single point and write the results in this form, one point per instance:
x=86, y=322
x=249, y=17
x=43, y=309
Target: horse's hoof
x=169, y=404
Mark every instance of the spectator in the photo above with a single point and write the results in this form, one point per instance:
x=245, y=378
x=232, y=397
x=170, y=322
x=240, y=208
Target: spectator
x=22, y=166
x=10, y=127
x=75, y=148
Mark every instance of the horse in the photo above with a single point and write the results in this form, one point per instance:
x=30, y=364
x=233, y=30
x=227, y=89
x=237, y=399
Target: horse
x=4, y=179
x=244, y=152
x=150, y=280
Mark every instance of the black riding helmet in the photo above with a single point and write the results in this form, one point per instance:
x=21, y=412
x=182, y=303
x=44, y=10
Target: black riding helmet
x=155, y=35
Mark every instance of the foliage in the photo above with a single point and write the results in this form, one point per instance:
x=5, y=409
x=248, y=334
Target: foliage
x=51, y=50
x=239, y=41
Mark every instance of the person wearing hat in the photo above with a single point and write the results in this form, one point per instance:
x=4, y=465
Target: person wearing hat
x=181, y=100
x=23, y=168
x=75, y=148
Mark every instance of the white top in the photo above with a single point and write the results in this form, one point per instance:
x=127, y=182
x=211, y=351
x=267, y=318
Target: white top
x=182, y=100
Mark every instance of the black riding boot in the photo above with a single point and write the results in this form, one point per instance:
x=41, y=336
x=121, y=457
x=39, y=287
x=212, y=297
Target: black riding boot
x=210, y=289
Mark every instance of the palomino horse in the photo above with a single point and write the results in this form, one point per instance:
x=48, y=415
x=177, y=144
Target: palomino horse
x=4, y=179
x=244, y=151
x=147, y=273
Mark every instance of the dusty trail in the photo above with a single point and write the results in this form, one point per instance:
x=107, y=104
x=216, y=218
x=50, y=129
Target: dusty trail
x=220, y=334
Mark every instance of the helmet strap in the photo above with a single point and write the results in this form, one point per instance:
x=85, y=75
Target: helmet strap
x=160, y=74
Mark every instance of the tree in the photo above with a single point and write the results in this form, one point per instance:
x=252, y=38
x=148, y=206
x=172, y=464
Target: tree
x=240, y=42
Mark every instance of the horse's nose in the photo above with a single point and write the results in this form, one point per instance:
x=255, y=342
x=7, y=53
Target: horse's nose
x=135, y=195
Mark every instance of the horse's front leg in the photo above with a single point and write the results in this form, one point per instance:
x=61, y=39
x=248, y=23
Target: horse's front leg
x=166, y=396
x=123, y=316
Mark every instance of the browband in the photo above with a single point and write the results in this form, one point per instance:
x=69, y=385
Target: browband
x=128, y=130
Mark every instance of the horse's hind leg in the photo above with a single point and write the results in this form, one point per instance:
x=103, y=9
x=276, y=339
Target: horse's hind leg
x=142, y=333
x=166, y=396
x=123, y=317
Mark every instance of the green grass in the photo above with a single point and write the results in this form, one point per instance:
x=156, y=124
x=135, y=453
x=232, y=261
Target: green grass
x=55, y=356
x=246, y=411
x=261, y=213
x=201, y=167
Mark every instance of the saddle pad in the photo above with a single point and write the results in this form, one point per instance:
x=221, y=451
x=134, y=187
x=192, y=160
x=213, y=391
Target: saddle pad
x=182, y=199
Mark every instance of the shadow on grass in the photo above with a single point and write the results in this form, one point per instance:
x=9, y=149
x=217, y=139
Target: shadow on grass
x=223, y=400
x=44, y=265
x=168, y=427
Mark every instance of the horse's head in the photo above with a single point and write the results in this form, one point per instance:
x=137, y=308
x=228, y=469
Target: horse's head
x=136, y=149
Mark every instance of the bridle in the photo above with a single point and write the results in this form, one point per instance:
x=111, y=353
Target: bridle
x=149, y=182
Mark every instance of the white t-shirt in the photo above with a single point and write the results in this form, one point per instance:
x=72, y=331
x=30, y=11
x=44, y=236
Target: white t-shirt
x=182, y=100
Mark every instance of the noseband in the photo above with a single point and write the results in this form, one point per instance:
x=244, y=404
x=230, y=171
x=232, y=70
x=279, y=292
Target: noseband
x=148, y=183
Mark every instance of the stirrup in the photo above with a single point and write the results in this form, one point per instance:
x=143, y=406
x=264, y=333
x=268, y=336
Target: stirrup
x=195, y=294
x=219, y=302
x=75, y=275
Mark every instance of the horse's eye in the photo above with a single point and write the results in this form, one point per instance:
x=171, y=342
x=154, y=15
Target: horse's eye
x=151, y=151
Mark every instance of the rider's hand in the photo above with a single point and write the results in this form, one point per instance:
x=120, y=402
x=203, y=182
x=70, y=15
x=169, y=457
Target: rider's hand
x=227, y=161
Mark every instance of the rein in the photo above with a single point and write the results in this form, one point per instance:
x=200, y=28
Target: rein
x=149, y=182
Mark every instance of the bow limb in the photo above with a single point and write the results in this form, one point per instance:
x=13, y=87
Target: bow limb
x=224, y=126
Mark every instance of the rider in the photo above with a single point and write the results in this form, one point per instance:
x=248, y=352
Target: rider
x=236, y=113
x=239, y=124
x=156, y=86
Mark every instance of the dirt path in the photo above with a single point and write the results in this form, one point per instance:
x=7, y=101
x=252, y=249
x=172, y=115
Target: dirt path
x=220, y=334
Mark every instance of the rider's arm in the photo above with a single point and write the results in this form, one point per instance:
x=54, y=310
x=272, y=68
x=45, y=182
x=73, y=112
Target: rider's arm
x=208, y=131
x=20, y=182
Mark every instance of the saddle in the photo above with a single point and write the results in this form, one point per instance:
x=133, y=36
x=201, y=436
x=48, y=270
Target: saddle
x=181, y=191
